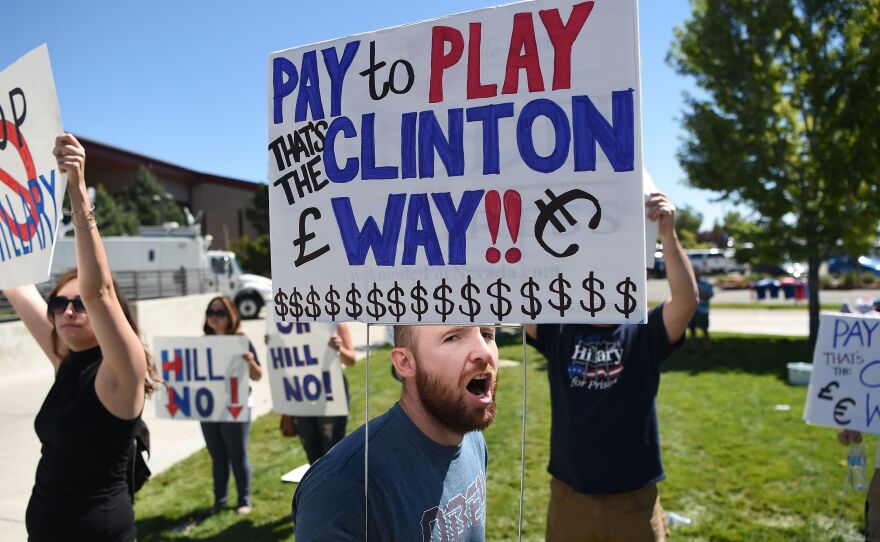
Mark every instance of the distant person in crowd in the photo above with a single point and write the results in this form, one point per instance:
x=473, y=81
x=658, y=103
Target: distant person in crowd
x=872, y=499
x=427, y=456
x=700, y=319
x=227, y=441
x=320, y=433
x=604, y=440
x=102, y=376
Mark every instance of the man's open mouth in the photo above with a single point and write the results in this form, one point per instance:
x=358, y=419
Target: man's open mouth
x=479, y=385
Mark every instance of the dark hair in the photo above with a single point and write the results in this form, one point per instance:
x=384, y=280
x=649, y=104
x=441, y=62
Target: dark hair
x=152, y=376
x=405, y=337
x=233, y=320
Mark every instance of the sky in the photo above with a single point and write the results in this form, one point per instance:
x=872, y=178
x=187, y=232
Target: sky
x=186, y=81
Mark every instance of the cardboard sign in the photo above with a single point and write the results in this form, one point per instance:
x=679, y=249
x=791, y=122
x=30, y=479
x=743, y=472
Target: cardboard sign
x=844, y=387
x=31, y=188
x=305, y=374
x=483, y=167
x=206, y=378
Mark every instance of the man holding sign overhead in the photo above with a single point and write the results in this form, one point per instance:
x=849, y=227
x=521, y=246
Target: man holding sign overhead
x=604, y=442
x=426, y=471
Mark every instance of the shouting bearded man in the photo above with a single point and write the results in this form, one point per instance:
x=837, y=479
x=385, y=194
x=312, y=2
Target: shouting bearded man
x=426, y=476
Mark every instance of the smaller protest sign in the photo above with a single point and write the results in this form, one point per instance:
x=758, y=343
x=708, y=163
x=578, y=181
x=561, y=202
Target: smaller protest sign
x=844, y=387
x=206, y=378
x=31, y=188
x=305, y=374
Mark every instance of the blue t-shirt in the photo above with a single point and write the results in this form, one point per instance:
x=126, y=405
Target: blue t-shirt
x=706, y=293
x=418, y=489
x=603, y=382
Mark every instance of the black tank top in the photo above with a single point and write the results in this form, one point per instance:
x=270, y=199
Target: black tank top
x=81, y=489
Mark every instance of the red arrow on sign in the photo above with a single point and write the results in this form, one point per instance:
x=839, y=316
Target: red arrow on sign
x=233, y=392
x=176, y=365
x=172, y=404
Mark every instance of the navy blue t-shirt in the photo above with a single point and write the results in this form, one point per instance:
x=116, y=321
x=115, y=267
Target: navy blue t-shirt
x=418, y=489
x=603, y=382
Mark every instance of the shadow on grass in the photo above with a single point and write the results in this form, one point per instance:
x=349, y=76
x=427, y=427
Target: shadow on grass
x=753, y=354
x=157, y=528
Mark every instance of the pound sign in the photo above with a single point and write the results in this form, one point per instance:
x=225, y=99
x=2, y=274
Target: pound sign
x=547, y=213
x=306, y=236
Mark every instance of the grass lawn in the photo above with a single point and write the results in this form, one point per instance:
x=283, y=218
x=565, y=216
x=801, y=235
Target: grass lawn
x=738, y=467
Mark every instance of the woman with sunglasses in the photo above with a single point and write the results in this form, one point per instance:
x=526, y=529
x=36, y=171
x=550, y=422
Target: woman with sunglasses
x=227, y=441
x=320, y=433
x=102, y=376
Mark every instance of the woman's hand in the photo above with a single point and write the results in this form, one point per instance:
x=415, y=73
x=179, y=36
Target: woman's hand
x=335, y=342
x=71, y=158
x=254, y=369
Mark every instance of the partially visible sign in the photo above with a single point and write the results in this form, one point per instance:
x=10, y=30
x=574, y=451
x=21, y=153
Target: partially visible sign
x=206, y=378
x=31, y=189
x=305, y=374
x=845, y=383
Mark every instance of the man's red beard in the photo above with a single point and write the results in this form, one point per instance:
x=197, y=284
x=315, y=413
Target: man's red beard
x=450, y=407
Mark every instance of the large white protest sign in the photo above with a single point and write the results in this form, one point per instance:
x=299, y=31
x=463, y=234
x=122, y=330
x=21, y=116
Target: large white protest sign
x=31, y=188
x=483, y=167
x=305, y=374
x=845, y=384
x=206, y=378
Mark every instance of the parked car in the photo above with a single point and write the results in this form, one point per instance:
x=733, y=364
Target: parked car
x=839, y=265
x=714, y=260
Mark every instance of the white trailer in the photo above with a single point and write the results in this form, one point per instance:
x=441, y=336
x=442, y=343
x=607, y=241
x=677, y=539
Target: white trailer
x=175, y=258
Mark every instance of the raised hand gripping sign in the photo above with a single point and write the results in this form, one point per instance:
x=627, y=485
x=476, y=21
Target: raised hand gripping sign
x=305, y=374
x=845, y=383
x=31, y=189
x=206, y=378
x=485, y=166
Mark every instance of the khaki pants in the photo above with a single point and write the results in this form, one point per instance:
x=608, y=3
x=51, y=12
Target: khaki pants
x=872, y=509
x=634, y=516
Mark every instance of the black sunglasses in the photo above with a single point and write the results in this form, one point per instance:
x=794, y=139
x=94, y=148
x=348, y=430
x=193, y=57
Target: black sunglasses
x=218, y=313
x=58, y=304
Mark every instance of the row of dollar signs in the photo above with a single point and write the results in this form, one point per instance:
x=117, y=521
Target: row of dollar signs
x=354, y=308
x=558, y=286
x=396, y=307
x=313, y=311
x=419, y=305
x=332, y=307
x=590, y=284
x=629, y=302
x=441, y=294
x=468, y=291
x=296, y=309
x=529, y=291
x=502, y=306
x=374, y=296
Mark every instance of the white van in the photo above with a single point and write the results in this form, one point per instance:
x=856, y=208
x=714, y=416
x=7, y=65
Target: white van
x=714, y=260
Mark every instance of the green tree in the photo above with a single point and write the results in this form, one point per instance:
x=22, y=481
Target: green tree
x=112, y=216
x=687, y=224
x=786, y=122
x=150, y=203
x=258, y=211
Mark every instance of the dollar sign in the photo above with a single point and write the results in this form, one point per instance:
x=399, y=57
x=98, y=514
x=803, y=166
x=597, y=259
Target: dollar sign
x=281, y=305
x=313, y=311
x=332, y=308
x=558, y=286
x=397, y=308
x=534, y=305
x=589, y=285
x=374, y=297
x=467, y=293
x=502, y=306
x=420, y=304
x=446, y=307
x=352, y=296
x=296, y=310
x=629, y=302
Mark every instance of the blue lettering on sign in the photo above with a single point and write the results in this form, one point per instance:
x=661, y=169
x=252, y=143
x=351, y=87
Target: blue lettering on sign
x=870, y=413
x=290, y=357
x=204, y=402
x=420, y=228
x=309, y=387
x=182, y=400
x=860, y=331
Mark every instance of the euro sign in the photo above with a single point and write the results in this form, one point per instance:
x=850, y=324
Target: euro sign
x=547, y=213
